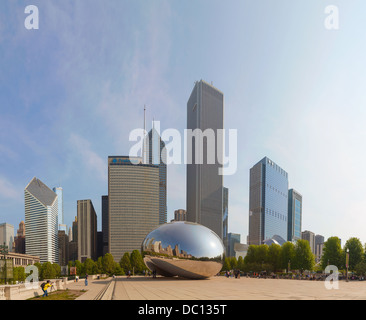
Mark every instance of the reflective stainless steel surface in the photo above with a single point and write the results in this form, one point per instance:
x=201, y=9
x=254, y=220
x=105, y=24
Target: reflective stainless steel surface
x=183, y=249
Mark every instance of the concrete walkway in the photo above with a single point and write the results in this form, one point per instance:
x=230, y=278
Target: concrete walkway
x=221, y=288
x=93, y=289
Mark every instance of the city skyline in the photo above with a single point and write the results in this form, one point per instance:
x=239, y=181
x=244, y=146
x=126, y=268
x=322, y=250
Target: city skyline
x=71, y=92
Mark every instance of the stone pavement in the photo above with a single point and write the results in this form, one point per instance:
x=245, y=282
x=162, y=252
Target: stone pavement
x=216, y=288
x=221, y=288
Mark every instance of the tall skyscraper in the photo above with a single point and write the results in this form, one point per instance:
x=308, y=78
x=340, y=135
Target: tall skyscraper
x=294, y=215
x=60, y=208
x=7, y=235
x=105, y=224
x=157, y=156
x=41, y=221
x=87, y=230
x=310, y=237
x=205, y=111
x=133, y=194
x=268, y=202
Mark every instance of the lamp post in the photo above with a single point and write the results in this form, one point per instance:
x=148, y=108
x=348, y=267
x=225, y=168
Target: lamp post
x=347, y=262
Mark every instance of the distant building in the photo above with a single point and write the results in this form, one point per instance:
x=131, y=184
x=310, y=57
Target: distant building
x=41, y=221
x=233, y=238
x=87, y=230
x=60, y=208
x=63, y=248
x=100, y=244
x=294, y=215
x=73, y=241
x=240, y=250
x=319, y=244
x=268, y=202
x=310, y=237
x=7, y=235
x=180, y=215
x=19, y=241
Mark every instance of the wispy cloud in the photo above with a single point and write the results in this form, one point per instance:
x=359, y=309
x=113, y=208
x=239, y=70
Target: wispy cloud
x=94, y=163
x=9, y=191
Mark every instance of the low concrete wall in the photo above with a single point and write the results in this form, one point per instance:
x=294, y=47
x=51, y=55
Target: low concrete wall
x=21, y=292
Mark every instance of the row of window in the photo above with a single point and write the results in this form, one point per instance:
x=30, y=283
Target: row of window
x=276, y=214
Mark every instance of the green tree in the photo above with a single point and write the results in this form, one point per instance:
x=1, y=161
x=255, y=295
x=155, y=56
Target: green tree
x=125, y=262
x=287, y=255
x=360, y=268
x=233, y=263
x=262, y=254
x=57, y=269
x=79, y=268
x=356, y=252
x=89, y=266
x=108, y=264
x=118, y=271
x=332, y=253
x=274, y=256
x=240, y=263
x=99, y=265
x=226, y=266
x=48, y=271
x=137, y=263
x=251, y=254
x=303, y=258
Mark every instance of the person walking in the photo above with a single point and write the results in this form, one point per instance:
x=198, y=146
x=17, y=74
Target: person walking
x=86, y=279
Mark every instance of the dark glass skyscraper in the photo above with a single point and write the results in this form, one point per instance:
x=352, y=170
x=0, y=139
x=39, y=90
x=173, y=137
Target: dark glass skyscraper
x=205, y=111
x=294, y=215
x=268, y=201
x=157, y=156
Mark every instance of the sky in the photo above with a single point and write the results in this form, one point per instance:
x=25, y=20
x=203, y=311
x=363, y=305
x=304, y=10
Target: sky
x=73, y=90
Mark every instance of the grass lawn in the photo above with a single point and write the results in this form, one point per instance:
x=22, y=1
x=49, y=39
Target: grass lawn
x=61, y=295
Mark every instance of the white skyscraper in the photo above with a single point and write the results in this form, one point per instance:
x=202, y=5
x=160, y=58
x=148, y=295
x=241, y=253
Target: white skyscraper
x=41, y=221
x=60, y=208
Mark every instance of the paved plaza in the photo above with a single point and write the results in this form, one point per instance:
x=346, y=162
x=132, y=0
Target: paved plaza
x=218, y=288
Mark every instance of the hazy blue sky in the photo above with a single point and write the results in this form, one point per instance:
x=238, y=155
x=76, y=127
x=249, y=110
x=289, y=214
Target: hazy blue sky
x=71, y=92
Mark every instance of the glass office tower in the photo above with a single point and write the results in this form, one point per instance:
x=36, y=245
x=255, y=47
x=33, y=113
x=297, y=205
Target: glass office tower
x=294, y=215
x=268, y=202
x=60, y=206
x=205, y=111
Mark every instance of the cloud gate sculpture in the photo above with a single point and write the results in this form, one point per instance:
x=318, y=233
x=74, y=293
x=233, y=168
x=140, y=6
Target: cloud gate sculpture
x=183, y=249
